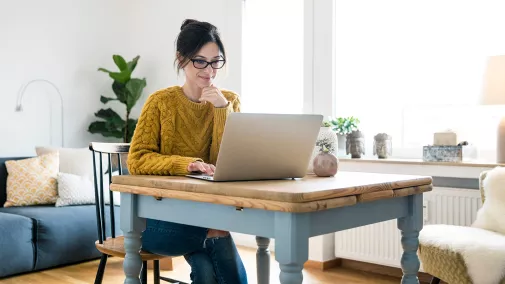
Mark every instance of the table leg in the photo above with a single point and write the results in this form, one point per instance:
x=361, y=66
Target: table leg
x=263, y=260
x=132, y=261
x=291, y=245
x=132, y=227
x=410, y=227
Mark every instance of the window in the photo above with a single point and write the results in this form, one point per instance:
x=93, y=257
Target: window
x=412, y=68
x=272, y=56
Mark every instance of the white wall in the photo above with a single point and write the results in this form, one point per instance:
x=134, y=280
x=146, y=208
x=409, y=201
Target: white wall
x=273, y=66
x=66, y=41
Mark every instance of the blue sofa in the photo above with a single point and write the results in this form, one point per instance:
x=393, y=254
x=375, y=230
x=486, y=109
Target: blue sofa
x=34, y=238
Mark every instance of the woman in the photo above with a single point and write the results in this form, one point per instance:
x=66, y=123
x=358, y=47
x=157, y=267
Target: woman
x=179, y=131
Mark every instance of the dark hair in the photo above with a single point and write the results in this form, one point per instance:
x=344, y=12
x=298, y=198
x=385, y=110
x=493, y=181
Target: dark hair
x=193, y=36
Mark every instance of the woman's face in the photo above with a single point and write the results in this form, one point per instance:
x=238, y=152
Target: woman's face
x=203, y=77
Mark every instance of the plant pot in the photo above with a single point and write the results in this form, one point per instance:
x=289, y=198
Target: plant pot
x=355, y=144
x=341, y=142
x=325, y=164
x=324, y=133
x=382, y=145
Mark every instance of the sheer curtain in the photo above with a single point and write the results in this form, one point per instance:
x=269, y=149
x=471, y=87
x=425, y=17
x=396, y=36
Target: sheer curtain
x=412, y=68
x=272, y=56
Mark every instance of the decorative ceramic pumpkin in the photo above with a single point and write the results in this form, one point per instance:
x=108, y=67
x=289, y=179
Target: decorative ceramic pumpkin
x=325, y=164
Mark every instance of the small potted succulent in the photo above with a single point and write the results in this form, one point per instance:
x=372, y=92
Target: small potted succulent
x=325, y=164
x=327, y=134
x=344, y=126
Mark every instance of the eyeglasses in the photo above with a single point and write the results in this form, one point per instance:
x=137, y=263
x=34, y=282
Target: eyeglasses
x=202, y=64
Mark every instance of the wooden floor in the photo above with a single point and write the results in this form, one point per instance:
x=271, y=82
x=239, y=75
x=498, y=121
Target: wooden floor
x=84, y=273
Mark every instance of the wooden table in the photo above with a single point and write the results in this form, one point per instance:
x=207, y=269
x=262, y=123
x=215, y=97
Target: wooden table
x=290, y=211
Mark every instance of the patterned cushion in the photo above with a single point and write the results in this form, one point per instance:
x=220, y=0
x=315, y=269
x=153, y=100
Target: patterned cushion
x=74, y=190
x=79, y=190
x=32, y=181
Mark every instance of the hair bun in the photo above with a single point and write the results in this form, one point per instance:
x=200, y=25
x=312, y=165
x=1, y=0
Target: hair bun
x=187, y=22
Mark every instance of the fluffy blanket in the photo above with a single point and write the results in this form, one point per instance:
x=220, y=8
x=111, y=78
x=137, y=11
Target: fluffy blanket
x=483, y=244
x=483, y=251
x=492, y=214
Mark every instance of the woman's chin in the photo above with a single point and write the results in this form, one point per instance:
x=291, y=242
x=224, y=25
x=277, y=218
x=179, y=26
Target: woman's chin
x=204, y=82
x=201, y=83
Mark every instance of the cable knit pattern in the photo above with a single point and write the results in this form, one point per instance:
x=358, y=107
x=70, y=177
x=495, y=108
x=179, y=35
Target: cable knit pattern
x=172, y=132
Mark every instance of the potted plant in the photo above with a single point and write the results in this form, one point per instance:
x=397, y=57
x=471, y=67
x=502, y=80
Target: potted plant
x=344, y=126
x=325, y=164
x=128, y=91
x=328, y=135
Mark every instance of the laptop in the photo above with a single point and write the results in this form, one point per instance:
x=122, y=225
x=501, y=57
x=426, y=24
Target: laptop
x=265, y=147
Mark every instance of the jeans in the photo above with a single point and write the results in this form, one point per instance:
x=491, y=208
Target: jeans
x=212, y=260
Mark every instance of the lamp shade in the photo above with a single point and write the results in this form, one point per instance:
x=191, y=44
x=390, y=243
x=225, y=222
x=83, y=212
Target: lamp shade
x=493, y=92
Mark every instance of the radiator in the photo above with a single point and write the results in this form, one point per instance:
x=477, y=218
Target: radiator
x=380, y=243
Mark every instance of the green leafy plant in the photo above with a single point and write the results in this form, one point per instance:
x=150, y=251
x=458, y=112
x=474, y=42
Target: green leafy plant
x=344, y=125
x=128, y=91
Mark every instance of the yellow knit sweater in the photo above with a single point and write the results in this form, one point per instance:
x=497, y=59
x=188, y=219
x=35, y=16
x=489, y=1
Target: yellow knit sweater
x=172, y=132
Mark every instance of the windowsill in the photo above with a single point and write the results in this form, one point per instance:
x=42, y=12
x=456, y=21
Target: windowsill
x=466, y=169
x=469, y=163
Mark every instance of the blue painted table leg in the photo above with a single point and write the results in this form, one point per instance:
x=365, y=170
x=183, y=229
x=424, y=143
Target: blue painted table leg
x=132, y=261
x=291, y=245
x=132, y=227
x=410, y=227
x=263, y=260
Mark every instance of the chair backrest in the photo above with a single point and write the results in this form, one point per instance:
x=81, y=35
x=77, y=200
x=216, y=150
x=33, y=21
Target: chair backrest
x=107, y=149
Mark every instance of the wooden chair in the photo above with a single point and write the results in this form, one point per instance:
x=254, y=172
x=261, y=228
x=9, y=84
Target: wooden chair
x=441, y=261
x=112, y=245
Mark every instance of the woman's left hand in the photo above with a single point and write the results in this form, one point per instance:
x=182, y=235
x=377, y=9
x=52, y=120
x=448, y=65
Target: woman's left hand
x=214, y=96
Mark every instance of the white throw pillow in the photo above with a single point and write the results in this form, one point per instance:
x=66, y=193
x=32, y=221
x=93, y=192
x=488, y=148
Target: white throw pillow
x=76, y=161
x=79, y=190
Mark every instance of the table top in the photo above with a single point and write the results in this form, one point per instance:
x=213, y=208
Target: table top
x=310, y=193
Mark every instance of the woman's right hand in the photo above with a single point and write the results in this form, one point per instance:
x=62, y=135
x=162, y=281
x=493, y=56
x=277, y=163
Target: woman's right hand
x=202, y=167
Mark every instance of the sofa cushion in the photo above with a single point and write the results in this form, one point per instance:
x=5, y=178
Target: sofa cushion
x=3, y=177
x=32, y=181
x=79, y=190
x=17, y=253
x=63, y=235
